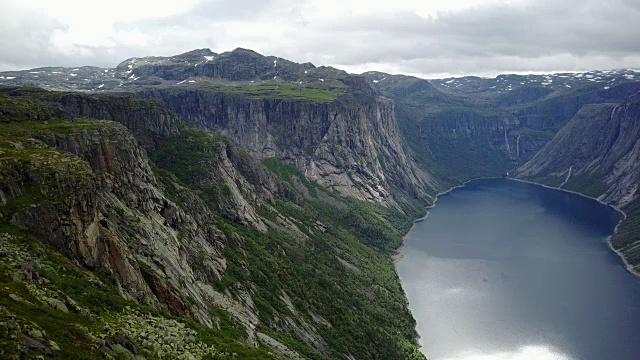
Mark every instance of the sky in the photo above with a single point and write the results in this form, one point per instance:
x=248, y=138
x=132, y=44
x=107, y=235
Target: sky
x=431, y=39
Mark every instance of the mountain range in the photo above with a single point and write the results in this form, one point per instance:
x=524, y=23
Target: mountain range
x=212, y=205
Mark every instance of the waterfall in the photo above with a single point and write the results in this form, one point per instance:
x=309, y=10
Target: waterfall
x=568, y=176
x=506, y=141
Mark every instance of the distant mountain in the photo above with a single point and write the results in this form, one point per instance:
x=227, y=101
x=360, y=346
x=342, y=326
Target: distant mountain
x=184, y=69
x=555, y=82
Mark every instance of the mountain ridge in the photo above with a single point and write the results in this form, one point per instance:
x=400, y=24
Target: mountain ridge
x=261, y=198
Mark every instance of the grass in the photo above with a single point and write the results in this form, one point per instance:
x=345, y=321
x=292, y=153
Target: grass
x=627, y=239
x=319, y=92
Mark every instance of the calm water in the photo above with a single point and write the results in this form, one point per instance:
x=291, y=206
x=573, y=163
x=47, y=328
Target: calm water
x=507, y=270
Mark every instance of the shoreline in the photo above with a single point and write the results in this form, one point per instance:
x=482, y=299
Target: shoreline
x=627, y=266
x=397, y=255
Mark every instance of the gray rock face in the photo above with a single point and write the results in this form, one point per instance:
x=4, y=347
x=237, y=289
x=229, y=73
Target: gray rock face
x=597, y=152
x=462, y=128
x=352, y=145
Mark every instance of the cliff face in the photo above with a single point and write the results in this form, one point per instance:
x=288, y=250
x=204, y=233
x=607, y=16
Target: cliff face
x=597, y=153
x=463, y=128
x=106, y=210
x=352, y=144
x=198, y=229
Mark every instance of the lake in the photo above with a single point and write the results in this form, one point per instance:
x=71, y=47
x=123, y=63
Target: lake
x=507, y=270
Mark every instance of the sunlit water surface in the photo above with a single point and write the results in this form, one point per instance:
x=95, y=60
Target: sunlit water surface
x=514, y=271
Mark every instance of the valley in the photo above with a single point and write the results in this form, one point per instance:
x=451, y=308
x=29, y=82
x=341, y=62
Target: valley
x=248, y=206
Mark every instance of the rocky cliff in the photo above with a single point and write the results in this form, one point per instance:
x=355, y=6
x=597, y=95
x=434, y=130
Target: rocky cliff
x=463, y=128
x=200, y=251
x=350, y=144
x=597, y=153
x=332, y=126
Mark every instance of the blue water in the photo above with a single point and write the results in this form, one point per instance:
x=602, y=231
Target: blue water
x=507, y=270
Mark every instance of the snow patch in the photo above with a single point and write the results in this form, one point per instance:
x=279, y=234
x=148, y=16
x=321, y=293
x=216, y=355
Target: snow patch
x=181, y=82
x=321, y=80
x=376, y=81
x=208, y=58
x=72, y=74
x=101, y=86
x=629, y=76
x=192, y=81
x=275, y=63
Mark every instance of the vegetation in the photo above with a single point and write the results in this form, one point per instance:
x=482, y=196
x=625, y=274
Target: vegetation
x=92, y=304
x=318, y=92
x=323, y=263
x=627, y=237
x=364, y=303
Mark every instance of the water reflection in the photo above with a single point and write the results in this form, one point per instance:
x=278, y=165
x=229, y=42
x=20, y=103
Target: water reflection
x=531, y=352
x=500, y=265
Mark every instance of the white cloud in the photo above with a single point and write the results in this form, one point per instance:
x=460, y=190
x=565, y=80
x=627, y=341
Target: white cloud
x=427, y=38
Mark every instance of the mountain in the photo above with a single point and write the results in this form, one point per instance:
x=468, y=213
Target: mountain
x=597, y=153
x=576, y=131
x=464, y=128
x=211, y=205
x=144, y=237
x=332, y=126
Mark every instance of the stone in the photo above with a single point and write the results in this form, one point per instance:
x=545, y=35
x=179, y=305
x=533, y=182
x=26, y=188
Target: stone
x=18, y=298
x=33, y=344
x=55, y=304
x=35, y=333
x=54, y=346
x=123, y=341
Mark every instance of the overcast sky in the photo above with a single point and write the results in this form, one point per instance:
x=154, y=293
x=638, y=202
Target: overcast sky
x=424, y=38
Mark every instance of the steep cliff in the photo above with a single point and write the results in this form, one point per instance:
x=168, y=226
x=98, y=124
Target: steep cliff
x=349, y=142
x=464, y=128
x=597, y=153
x=331, y=125
x=203, y=232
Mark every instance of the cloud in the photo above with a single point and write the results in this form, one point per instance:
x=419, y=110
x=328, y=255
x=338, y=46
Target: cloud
x=432, y=38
